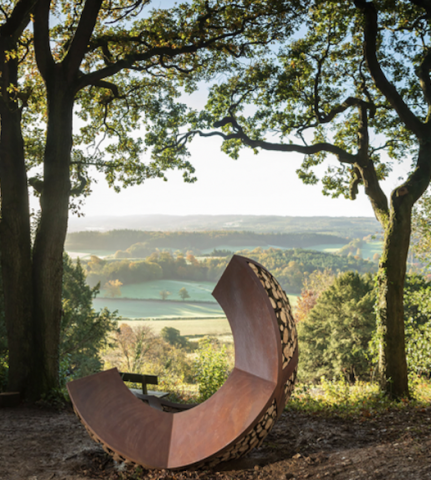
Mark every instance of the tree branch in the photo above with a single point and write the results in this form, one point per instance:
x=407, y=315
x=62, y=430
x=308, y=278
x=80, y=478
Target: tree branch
x=349, y=102
x=44, y=59
x=82, y=36
x=107, y=85
x=165, y=51
x=380, y=80
x=374, y=192
x=424, y=79
x=425, y=4
x=18, y=20
x=342, y=155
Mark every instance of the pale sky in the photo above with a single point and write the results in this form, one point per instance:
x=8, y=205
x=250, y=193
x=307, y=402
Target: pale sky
x=264, y=184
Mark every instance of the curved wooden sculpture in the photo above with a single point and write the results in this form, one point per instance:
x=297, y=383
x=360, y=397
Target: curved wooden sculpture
x=235, y=419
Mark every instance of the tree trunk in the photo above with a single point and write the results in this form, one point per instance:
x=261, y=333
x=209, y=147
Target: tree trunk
x=50, y=237
x=390, y=309
x=391, y=277
x=15, y=250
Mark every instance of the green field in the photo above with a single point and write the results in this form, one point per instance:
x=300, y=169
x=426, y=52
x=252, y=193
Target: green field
x=188, y=327
x=232, y=248
x=86, y=255
x=370, y=248
x=156, y=309
x=131, y=308
x=198, y=291
x=327, y=247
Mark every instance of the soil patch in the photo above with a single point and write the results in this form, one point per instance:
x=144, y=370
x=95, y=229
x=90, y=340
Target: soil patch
x=42, y=444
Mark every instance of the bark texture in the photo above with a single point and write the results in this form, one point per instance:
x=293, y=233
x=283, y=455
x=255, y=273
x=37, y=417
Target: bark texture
x=15, y=251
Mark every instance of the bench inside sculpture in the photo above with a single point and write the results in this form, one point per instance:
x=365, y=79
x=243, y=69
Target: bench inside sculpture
x=236, y=419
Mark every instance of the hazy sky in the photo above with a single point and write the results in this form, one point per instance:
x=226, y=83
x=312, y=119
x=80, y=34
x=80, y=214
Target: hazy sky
x=264, y=184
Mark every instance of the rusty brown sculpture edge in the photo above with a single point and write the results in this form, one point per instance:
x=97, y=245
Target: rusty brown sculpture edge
x=133, y=432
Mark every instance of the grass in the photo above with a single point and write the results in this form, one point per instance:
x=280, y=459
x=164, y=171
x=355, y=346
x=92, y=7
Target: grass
x=370, y=248
x=151, y=309
x=232, y=248
x=86, y=255
x=293, y=298
x=360, y=400
x=327, y=247
x=198, y=291
x=151, y=305
x=189, y=327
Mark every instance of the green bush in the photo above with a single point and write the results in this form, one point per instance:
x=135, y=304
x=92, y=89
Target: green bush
x=417, y=315
x=211, y=367
x=334, y=337
x=84, y=332
x=338, y=338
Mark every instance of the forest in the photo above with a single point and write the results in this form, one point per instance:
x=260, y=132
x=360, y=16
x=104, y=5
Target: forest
x=138, y=243
x=340, y=226
x=290, y=267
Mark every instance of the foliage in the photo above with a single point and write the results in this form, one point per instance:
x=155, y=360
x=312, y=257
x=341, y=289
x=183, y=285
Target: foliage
x=342, y=227
x=174, y=337
x=338, y=336
x=421, y=229
x=350, y=91
x=417, y=314
x=164, y=294
x=113, y=288
x=139, y=350
x=138, y=243
x=291, y=267
x=352, y=247
x=119, y=67
x=84, y=333
x=362, y=399
x=335, y=335
x=135, y=347
x=183, y=293
x=316, y=283
x=211, y=367
x=418, y=325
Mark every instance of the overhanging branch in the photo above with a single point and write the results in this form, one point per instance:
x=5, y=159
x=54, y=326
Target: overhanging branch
x=382, y=83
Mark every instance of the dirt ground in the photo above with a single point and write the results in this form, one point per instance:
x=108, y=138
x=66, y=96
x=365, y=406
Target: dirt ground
x=41, y=444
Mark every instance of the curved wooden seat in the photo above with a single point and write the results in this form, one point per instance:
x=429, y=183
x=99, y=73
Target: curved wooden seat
x=231, y=422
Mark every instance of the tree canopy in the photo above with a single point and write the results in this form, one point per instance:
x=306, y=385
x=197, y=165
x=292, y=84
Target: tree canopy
x=335, y=334
x=350, y=89
x=77, y=82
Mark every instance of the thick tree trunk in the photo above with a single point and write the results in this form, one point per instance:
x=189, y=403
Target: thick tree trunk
x=15, y=247
x=390, y=309
x=50, y=237
x=391, y=277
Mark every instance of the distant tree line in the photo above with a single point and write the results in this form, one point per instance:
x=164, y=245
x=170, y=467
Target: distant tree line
x=290, y=267
x=157, y=266
x=140, y=244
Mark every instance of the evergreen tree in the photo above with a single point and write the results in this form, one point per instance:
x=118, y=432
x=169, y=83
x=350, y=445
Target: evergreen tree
x=84, y=332
x=334, y=337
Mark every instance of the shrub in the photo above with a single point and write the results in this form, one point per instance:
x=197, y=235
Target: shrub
x=335, y=335
x=211, y=367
